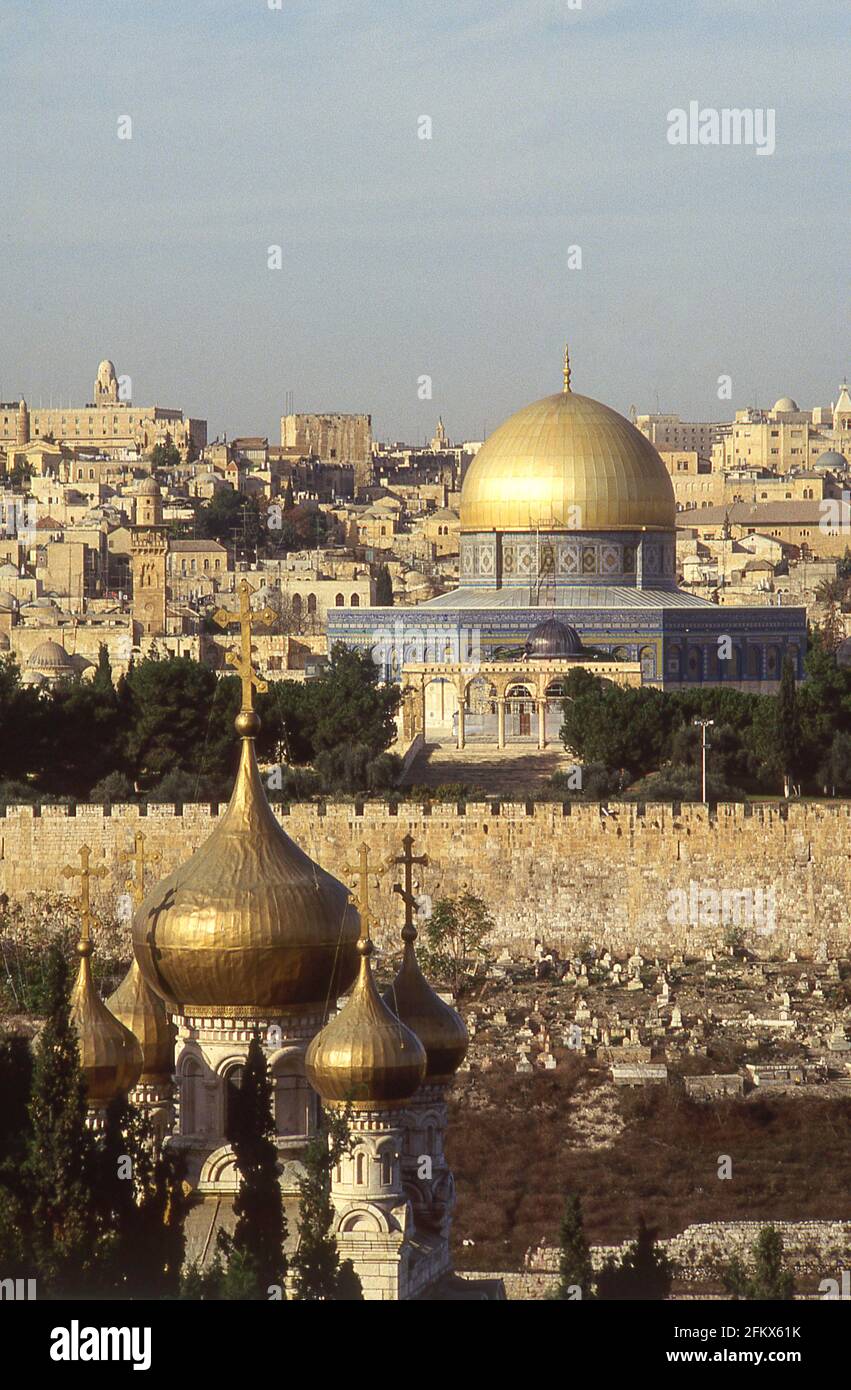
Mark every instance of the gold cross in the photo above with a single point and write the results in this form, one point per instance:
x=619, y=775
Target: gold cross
x=361, y=898
x=409, y=859
x=242, y=662
x=138, y=858
x=84, y=873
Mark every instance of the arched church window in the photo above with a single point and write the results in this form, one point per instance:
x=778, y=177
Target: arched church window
x=359, y=1170
x=233, y=1085
x=386, y=1170
x=354, y=601
x=311, y=603
x=340, y=601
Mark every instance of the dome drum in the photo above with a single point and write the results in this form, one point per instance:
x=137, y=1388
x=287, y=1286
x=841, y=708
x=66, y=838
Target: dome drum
x=568, y=559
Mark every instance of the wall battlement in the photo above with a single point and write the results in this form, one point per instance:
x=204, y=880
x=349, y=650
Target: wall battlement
x=624, y=876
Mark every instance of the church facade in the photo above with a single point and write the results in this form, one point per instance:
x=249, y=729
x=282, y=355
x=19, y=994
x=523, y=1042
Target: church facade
x=567, y=511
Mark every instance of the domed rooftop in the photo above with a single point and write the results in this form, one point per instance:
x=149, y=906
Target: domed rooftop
x=553, y=639
x=365, y=1056
x=106, y=370
x=785, y=403
x=148, y=488
x=439, y=1028
x=110, y=1057
x=49, y=657
x=567, y=462
x=833, y=460
x=249, y=921
x=143, y=1013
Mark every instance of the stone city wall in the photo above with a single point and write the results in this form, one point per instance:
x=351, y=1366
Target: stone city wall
x=659, y=877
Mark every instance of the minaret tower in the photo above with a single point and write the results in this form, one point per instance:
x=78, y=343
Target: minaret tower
x=248, y=935
x=110, y=1058
x=428, y=1179
x=149, y=560
x=22, y=425
x=366, y=1060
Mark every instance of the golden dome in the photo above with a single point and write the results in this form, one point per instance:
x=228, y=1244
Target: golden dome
x=142, y=1012
x=249, y=923
x=567, y=462
x=439, y=1028
x=365, y=1056
x=110, y=1056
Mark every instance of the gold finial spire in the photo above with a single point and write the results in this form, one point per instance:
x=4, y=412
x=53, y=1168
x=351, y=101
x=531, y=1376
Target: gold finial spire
x=138, y=858
x=406, y=893
x=566, y=387
x=361, y=898
x=242, y=661
x=84, y=874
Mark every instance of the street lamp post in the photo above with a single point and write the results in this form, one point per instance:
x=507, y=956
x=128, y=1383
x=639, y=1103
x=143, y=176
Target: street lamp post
x=703, y=725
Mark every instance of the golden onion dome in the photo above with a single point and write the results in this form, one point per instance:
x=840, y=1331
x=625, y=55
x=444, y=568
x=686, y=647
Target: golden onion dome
x=249, y=923
x=365, y=1056
x=142, y=1012
x=439, y=1028
x=567, y=461
x=110, y=1056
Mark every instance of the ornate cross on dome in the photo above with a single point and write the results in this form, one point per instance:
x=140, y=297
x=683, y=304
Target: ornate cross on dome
x=409, y=859
x=566, y=369
x=84, y=874
x=241, y=662
x=361, y=898
x=138, y=858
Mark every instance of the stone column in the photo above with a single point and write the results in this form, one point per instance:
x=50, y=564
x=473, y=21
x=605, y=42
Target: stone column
x=542, y=723
x=373, y=1219
x=461, y=723
x=500, y=721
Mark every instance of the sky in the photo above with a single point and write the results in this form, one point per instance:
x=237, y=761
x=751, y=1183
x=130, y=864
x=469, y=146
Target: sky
x=404, y=258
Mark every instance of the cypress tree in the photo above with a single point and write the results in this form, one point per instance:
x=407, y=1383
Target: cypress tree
x=574, y=1265
x=255, y=1250
x=788, y=725
x=768, y=1280
x=383, y=587
x=643, y=1273
x=319, y=1275
x=59, y=1213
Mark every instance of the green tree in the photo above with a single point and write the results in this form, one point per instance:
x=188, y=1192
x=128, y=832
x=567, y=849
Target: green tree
x=178, y=716
x=788, y=726
x=289, y=496
x=643, y=1272
x=455, y=938
x=574, y=1263
x=383, y=587
x=319, y=1276
x=350, y=703
x=767, y=1280
x=50, y=1208
x=255, y=1250
x=165, y=454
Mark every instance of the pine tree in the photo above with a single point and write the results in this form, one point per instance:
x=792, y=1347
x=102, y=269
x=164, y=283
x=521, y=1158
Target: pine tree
x=767, y=1281
x=289, y=496
x=59, y=1214
x=319, y=1275
x=255, y=1250
x=574, y=1266
x=643, y=1272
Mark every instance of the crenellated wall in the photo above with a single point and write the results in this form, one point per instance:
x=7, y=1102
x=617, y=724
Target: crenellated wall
x=660, y=877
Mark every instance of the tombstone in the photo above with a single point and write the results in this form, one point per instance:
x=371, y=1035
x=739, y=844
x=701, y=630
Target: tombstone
x=635, y=983
x=785, y=1000
x=676, y=1017
x=547, y=1061
x=664, y=990
x=501, y=1019
x=523, y=1065
x=792, y=958
x=821, y=953
x=606, y=959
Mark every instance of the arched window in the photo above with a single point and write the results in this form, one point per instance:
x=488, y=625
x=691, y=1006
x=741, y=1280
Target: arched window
x=311, y=603
x=189, y=1087
x=354, y=601
x=233, y=1085
x=296, y=605
x=386, y=1170
x=340, y=601
x=359, y=1178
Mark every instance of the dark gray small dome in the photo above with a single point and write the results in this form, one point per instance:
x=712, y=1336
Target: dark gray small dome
x=552, y=638
x=833, y=460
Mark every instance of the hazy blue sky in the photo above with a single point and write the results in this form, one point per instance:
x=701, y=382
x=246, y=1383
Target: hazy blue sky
x=401, y=256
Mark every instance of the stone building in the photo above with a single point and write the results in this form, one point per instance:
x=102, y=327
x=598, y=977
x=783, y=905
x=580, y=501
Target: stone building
x=109, y=423
x=149, y=555
x=335, y=439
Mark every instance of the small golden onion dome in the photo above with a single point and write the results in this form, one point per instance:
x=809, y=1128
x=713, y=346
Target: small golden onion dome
x=567, y=461
x=249, y=922
x=365, y=1056
x=141, y=1011
x=110, y=1056
x=439, y=1028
